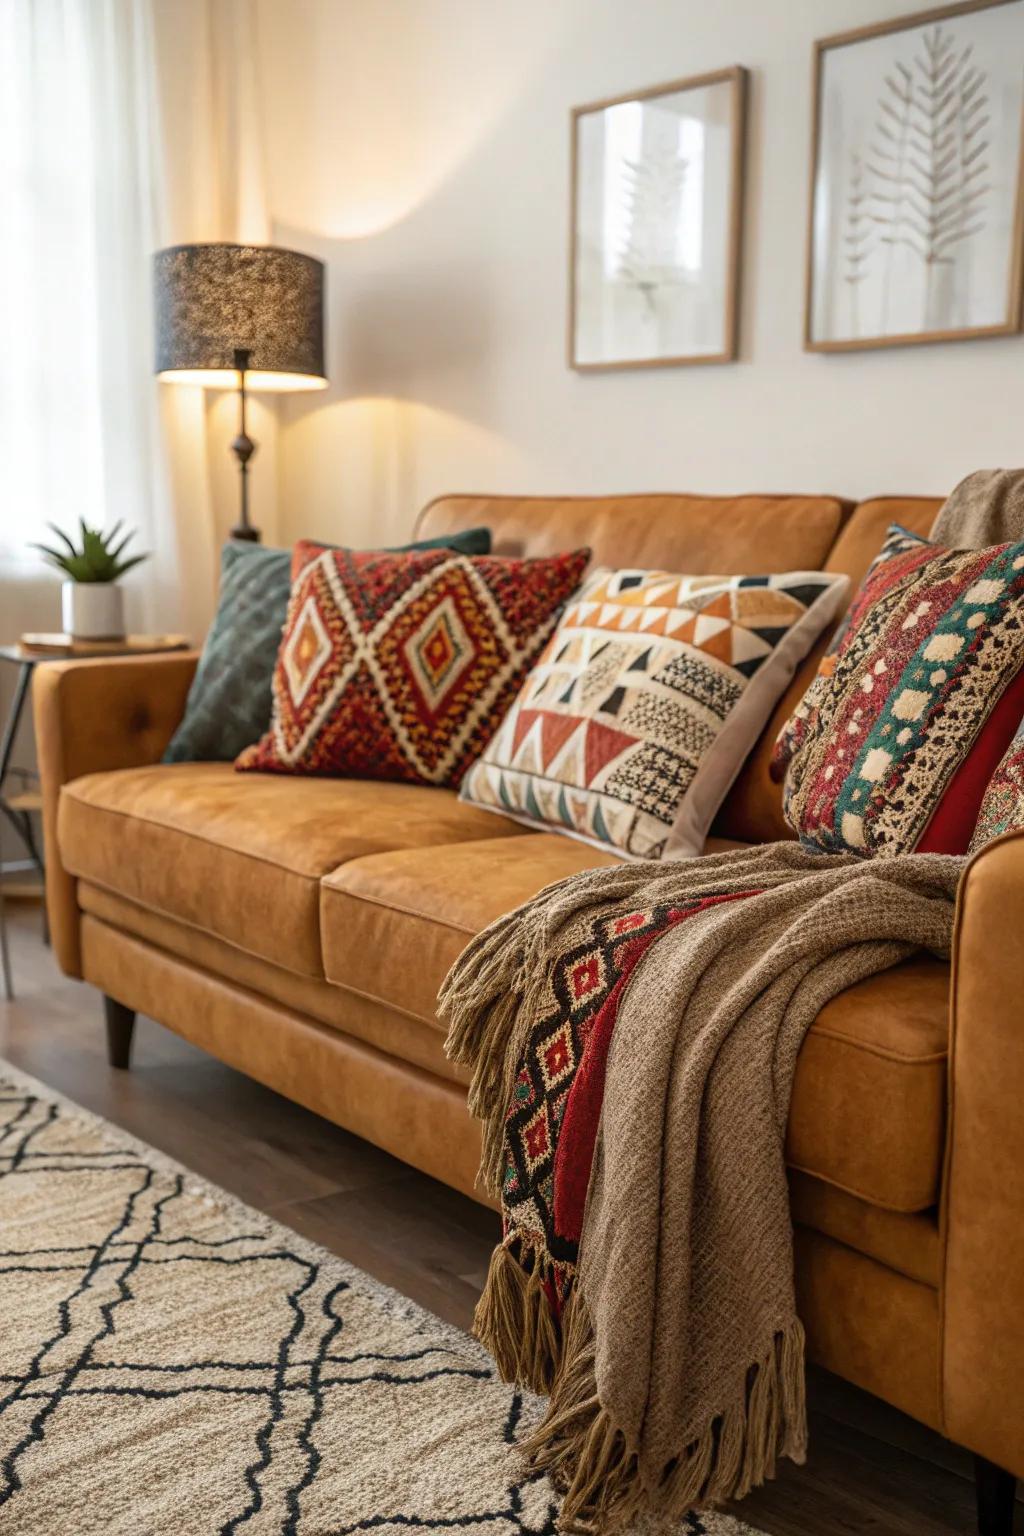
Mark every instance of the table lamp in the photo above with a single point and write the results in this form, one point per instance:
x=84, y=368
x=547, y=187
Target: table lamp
x=240, y=317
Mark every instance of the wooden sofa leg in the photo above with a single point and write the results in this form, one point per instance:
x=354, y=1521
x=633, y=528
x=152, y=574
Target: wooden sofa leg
x=120, y=1025
x=996, y=1492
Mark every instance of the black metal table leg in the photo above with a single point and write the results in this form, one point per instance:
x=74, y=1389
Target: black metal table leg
x=14, y=718
x=6, y=974
x=21, y=821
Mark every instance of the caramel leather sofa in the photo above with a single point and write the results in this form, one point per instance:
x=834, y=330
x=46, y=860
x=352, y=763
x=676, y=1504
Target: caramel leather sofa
x=298, y=929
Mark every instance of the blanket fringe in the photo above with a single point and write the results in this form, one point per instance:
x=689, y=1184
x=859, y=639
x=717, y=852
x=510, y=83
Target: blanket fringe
x=489, y=998
x=513, y=1319
x=487, y=995
x=588, y=1456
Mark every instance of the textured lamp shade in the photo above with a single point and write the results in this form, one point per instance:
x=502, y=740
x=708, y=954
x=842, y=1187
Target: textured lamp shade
x=213, y=301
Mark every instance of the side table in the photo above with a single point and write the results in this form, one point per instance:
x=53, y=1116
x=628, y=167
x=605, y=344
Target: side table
x=18, y=808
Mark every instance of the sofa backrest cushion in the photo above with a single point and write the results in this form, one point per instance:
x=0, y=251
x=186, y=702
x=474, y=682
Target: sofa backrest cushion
x=694, y=535
x=700, y=536
x=864, y=533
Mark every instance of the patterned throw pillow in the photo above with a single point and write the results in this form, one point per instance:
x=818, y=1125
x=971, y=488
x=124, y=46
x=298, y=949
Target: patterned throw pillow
x=228, y=705
x=402, y=666
x=1002, y=809
x=893, y=743
x=649, y=696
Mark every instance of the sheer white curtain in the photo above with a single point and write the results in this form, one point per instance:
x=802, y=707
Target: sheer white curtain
x=124, y=125
x=78, y=180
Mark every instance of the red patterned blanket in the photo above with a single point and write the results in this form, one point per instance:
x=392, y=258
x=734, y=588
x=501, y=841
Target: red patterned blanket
x=633, y=1033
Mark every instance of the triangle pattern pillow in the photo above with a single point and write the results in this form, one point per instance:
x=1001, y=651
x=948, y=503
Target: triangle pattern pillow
x=401, y=666
x=645, y=703
x=893, y=744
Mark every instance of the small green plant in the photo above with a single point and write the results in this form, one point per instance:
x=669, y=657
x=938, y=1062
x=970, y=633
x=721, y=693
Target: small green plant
x=100, y=556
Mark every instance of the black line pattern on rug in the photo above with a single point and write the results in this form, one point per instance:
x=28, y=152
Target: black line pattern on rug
x=12, y=1482
x=307, y=1365
x=317, y=1384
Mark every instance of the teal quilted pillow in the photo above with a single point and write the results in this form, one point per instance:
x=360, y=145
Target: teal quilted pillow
x=228, y=705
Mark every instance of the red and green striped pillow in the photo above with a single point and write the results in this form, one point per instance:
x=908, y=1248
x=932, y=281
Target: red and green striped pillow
x=893, y=745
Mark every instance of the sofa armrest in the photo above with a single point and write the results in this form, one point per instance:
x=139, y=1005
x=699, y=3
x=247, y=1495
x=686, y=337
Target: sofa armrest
x=982, y=1344
x=92, y=715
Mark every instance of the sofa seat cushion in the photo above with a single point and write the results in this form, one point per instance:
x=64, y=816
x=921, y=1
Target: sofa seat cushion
x=241, y=856
x=868, y=1108
x=411, y=1040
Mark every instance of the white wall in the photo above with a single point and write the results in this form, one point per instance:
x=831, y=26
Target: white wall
x=421, y=147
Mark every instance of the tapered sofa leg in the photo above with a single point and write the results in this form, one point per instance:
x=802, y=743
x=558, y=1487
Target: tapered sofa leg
x=996, y=1492
x=120, y=1025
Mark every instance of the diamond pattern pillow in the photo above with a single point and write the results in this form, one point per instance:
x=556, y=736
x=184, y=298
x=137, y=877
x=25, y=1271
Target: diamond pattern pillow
x=228, y=705
x=891, y=747
x=402, y=666
x=649, y=696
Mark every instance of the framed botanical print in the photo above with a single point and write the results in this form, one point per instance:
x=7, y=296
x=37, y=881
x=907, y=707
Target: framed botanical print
x=916, y=196
x=657, y=198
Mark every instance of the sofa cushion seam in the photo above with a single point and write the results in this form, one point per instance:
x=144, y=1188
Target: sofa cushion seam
x=894, y=1269
x=879, y=1204
x=209, y=842
x=404, y=911
x=185, y=922
x=899, y=1058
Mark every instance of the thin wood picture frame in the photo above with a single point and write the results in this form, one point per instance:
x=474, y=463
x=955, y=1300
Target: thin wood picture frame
x=1010, y=321
x=736, y=78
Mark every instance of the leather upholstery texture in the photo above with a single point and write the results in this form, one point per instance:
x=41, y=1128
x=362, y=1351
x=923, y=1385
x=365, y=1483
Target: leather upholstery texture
x=300, y=934
x=695, y=535
x=397, y=1034
x=419, y=1117
x=908, y=1244
x=91, y=715
x=865, y=1319
x=868, y=1107
x=869, y=1324
x=242, y=855
x=983, y=1214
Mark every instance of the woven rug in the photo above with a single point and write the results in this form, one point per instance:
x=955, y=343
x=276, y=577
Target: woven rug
x=171, y=1361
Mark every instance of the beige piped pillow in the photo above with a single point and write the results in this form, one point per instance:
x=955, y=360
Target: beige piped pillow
x=646, y=702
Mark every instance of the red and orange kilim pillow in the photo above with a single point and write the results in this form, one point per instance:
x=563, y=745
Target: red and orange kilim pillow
x=401, y=666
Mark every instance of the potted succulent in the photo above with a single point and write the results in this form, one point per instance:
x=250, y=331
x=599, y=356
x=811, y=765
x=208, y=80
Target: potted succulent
x=92, y=605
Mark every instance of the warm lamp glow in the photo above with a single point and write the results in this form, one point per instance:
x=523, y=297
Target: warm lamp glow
x=255, y=378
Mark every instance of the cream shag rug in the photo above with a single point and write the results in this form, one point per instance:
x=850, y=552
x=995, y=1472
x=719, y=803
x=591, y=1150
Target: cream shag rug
x=172, y=1363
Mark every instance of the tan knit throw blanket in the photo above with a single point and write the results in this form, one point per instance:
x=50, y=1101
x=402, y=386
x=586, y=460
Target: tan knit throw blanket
x=987, y=507
x=633, y=1033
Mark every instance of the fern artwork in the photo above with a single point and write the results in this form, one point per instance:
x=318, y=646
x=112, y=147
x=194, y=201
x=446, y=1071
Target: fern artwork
x=916, y=217
x=656, y=204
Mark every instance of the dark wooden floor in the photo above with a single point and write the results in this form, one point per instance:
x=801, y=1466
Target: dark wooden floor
x=871, y=1471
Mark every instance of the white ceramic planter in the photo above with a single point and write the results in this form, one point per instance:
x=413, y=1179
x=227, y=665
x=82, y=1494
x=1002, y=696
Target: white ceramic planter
x=92, y=610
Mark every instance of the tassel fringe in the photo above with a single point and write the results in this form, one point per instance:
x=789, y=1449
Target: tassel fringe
x=514, y=1321
x=589, y=1457
x=489, y=997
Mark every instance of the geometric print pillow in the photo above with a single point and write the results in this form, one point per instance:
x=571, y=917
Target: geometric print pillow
x=645, y=703
x=401, y=666
x=229, y=702
x=893, y=744
x=1002, y=808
